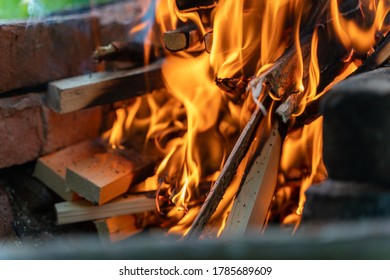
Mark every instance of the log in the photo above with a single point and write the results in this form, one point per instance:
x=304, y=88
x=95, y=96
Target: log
x=105, y=176
x=250, y=207
x=51, y=169
x=186, y=37
x=115, y=229
x=79, y=211
x=89, y=90
x=227, y=173
x=195, y=5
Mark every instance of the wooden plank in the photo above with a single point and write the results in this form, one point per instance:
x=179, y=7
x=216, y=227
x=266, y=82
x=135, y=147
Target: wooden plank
x=99, y=88
x=117, y=228
x=80, y=211
x=250, y=207
x=183, y=38
x=194, y=5
x=105, y=176
x=51, y=169
x=225, y=177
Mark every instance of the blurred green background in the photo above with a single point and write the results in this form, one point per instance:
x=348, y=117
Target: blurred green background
x=16, y=9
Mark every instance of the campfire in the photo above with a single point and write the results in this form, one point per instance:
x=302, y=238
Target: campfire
x=221, y=133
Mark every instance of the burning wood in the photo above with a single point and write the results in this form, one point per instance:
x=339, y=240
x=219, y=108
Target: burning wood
x=80, y=211
x=293, y=66
x=186, y=37
x=189, y=5
x=208, y=41
x=250, y=209
x=103, y=87
x=127, y=51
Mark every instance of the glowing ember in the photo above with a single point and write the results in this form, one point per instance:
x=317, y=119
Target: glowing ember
x=194, y=125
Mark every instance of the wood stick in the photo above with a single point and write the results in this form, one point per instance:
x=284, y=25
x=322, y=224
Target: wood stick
x=195, y=5
x=105, y=176
x=89, y=90
x=115, y=229
x=250, y=208
x=228, y=171
x=51, y=169
x=122, y=51
x=208, y=41
x=183, y=38
x=81, y=211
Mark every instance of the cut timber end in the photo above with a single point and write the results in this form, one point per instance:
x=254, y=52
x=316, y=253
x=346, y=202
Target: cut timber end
x=102, y=177
x=93, y=89
x=182, y=38
x=51, y=169
x=81, y=211
x=117, y=228
x=250, y=208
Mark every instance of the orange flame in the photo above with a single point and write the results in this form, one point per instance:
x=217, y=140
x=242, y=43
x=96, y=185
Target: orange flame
x=194, y=127
x=351, y=33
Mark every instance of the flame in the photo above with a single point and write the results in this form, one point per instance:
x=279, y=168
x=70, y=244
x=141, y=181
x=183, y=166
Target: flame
x=351, y=33
x=194, y=127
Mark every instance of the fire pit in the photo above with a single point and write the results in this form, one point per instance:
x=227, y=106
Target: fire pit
x=215, y=132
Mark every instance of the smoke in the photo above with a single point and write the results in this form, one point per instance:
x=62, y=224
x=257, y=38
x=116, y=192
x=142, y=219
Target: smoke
x=35, y=9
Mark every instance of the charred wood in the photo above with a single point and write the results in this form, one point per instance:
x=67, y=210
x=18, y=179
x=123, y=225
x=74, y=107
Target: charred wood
x=224, y=179
x=191, y=5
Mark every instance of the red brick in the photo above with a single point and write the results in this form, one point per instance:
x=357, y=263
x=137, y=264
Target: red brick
x=71, y=128
x=21, y=131
x=35, y=53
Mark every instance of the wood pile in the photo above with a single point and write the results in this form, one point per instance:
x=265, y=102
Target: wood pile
x=94, y=182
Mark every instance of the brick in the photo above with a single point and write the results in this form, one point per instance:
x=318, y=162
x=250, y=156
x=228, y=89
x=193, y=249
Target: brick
x=21, y=131
x=357, y=128
x=29, y=129
x=34, y=53
x=71, y=128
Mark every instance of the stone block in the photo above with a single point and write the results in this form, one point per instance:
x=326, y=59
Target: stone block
x=357, y=128
x=334, y=200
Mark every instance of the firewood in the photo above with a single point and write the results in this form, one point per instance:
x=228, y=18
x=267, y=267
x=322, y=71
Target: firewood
x=194, y=5
x=250, y=207
x=118, y=50
x=51, y=169
x=80, y=211
x=115, y=229
x=183, y=38
x=208, y=41
x=89, y=90
x=105, y=176
x=227, y=173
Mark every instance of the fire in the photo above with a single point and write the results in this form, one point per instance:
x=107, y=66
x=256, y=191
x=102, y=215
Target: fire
x=194, y=126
